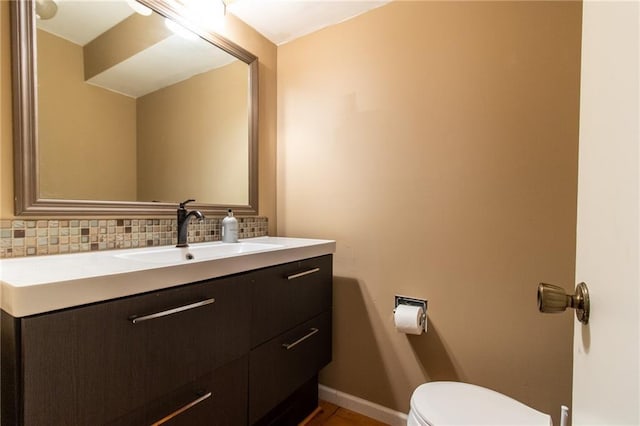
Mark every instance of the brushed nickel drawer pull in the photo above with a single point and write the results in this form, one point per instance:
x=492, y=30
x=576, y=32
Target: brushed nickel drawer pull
x=302, y=274
x=288, y=346
x=136, y=320
x=182, y=410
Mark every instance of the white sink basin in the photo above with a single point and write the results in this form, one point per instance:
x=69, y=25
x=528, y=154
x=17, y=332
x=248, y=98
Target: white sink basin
x=197, y=252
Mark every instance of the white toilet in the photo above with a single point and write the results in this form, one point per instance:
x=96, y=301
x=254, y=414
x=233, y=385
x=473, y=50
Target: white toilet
x=454, y=403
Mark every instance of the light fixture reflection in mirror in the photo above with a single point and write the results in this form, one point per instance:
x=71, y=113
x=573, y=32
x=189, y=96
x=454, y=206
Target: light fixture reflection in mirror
x=33, y=137
x=46, y=9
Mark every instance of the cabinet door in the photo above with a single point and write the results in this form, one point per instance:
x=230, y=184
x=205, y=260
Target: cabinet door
x=285, y=296
x=94, y=365
x=280, y=366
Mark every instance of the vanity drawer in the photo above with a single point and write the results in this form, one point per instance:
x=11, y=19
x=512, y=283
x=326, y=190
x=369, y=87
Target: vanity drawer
x=218, y=398
x=101, y=366
x=285, y=296
x=280, y=366
x=184, y=345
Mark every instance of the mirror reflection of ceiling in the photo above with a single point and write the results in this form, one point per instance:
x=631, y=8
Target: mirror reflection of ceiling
x=166, y=60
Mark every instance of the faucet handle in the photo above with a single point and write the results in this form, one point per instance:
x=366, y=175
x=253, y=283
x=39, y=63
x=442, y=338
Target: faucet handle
x=184, y=203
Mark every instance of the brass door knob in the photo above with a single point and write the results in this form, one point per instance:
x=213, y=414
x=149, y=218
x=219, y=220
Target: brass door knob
x=552, y=299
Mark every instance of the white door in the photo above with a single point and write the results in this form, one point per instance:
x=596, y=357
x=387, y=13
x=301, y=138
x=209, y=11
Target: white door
x=606, y=372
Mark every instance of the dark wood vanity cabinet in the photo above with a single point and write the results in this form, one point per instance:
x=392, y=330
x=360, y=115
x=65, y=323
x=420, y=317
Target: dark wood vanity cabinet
x=290, y=331
x=208, y=353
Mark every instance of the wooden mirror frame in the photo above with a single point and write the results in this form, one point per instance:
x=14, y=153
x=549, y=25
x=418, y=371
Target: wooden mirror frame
x=25, y=131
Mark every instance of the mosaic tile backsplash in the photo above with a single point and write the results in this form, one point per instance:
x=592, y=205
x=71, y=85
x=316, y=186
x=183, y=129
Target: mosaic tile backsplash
x=24, y=237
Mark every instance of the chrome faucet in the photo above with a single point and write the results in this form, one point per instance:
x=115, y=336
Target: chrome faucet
x=183, y=222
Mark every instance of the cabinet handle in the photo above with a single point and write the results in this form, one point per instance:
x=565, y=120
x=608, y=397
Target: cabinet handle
x=302, y=274
x=136, y=319
x=312, y=331
x=182, y=409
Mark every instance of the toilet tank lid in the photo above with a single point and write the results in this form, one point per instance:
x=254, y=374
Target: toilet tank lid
x=455, y=403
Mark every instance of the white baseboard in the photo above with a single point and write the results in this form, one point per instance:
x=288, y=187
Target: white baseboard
x=362, y=406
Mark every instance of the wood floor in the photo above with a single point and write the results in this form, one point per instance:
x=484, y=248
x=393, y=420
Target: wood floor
x=332, y=415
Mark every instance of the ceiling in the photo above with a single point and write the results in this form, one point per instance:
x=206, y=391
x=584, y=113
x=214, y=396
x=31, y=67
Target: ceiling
x=282, y=21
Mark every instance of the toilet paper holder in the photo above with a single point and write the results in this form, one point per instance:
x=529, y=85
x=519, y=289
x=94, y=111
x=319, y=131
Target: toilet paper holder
x=404, y=300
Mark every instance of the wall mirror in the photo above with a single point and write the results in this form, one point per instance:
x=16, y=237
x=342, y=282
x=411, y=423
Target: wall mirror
x=125, y=112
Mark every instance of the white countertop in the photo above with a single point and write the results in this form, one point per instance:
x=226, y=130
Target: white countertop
x=33, y=285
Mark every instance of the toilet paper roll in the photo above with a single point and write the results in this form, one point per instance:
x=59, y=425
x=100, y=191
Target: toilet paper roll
x=408, y=319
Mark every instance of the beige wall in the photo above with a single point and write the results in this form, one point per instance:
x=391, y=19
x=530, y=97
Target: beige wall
x=436, y=142
x=211, y=110
x=82, y=154
x=237, y=32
